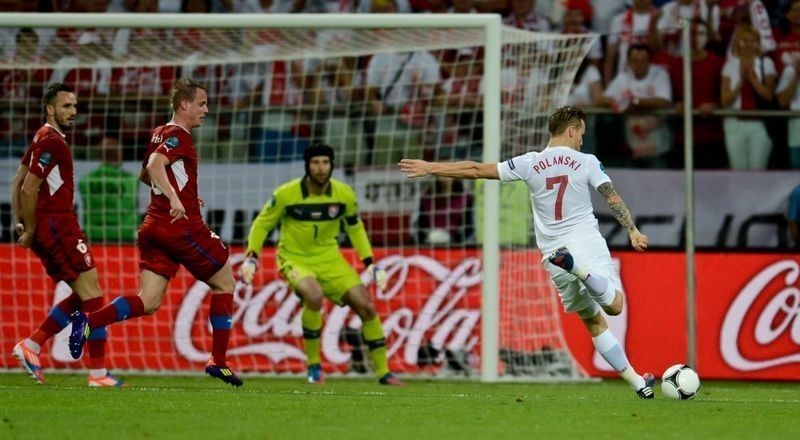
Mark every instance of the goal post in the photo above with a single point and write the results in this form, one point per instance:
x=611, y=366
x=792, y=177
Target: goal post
x=301, y=77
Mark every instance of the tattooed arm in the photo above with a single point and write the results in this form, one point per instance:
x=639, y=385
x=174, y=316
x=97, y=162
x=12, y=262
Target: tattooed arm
x=623, y=215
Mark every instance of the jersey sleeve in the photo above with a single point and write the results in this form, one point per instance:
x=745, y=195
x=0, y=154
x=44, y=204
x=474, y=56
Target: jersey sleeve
x=174, y=145
x=517, y=168
x=596, y=172
x=354, y=226
x=44, y=156
x=271, y=213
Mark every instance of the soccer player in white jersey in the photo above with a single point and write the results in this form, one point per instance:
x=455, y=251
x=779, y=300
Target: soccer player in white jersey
x=567, y=232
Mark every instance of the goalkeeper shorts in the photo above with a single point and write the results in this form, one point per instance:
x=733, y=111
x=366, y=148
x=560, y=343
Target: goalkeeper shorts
x=334, y=274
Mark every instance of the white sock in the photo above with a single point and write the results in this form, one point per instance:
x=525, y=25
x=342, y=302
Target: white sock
x=98, y=373
x=632, y=377
x=608, y=346
x=32, y=346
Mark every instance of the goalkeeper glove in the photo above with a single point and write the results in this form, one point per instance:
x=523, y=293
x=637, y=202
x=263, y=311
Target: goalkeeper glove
x=247, y=270
x=379, y=276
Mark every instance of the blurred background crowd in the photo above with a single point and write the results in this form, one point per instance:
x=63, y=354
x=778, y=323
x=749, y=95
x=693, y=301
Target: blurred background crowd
x=745, y=59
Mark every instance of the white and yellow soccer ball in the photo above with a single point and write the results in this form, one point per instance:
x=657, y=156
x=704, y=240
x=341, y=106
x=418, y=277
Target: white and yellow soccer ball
x=680, y=382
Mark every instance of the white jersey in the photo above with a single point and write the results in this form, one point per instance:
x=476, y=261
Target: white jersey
x=559, y=180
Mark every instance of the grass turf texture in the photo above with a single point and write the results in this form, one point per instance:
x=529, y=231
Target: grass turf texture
x=200, y=407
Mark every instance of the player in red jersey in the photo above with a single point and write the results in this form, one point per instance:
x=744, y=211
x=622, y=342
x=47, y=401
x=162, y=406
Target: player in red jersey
x=173, y=233
x=41, y=197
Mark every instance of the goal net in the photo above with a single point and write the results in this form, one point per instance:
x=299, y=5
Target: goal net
x=376, y=95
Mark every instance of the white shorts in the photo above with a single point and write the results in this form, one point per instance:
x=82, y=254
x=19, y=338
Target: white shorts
x=590, y=252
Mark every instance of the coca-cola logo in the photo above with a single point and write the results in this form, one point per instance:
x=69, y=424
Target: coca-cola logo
x=781, y=313
x=438, y=320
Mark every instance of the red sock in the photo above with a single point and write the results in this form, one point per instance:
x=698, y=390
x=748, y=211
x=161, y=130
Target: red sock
x=96, y=344
x=57, y=319
x=122, y=308
x=220, y=316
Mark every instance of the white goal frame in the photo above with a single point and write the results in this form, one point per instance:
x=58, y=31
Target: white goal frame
x=492, y=25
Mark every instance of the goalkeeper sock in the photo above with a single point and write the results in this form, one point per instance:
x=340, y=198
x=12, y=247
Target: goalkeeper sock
x=373, y=336
x=220, y=313
x=96, y=343
x=56, y=320
x=122, y=308
x=600, y=289
x=312, y=329
x=609, y=348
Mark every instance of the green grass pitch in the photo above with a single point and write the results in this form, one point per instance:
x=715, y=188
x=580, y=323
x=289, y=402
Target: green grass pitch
x=158, y=407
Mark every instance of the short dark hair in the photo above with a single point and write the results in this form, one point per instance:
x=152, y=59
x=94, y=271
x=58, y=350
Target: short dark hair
x=184, y=90
x=640, y=46
x=51, y=92
x=563, y=117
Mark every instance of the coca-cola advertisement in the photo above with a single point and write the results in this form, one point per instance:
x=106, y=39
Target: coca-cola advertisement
x=747, y=308
x=747, y=315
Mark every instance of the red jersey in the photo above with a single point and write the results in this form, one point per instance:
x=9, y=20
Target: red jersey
x=48, y=157
x=175, y=142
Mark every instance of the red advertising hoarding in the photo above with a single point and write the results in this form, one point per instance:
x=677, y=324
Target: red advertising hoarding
x=747, y=313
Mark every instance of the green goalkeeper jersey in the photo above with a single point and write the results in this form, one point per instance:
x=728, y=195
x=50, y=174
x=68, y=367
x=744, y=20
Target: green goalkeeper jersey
x=310, y=224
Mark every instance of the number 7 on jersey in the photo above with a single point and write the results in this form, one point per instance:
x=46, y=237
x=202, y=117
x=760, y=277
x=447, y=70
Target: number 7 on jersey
x=561, y=182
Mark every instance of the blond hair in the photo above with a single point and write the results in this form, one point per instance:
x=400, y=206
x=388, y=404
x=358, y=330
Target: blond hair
x=740, y=32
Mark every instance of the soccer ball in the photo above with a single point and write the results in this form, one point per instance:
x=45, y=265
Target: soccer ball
x=680, y=382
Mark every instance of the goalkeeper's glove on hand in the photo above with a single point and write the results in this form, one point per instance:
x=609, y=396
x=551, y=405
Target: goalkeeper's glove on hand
x=379, y=276
x=247, y=270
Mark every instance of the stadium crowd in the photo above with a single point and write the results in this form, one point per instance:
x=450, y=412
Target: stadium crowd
x=745, y=58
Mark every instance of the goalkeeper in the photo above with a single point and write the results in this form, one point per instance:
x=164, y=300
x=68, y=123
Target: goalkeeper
x=310, y=211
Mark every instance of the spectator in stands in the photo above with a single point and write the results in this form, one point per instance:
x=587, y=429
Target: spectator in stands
x=402, y=85
x=88, y=72
x=524, y=16
x=637, y=25
x=789, y=98
x=788, y=37
x=150, y=42
x=464, y=101
x=21, y=90
x=575, y=20
x=110, y=196
x=709, y=139
x=445, y=213
x=587, y=91
x=641, y=88
x=748, y=80
x=604, y=13
x=735, y=13
x=675, y=11
x=17, y=83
